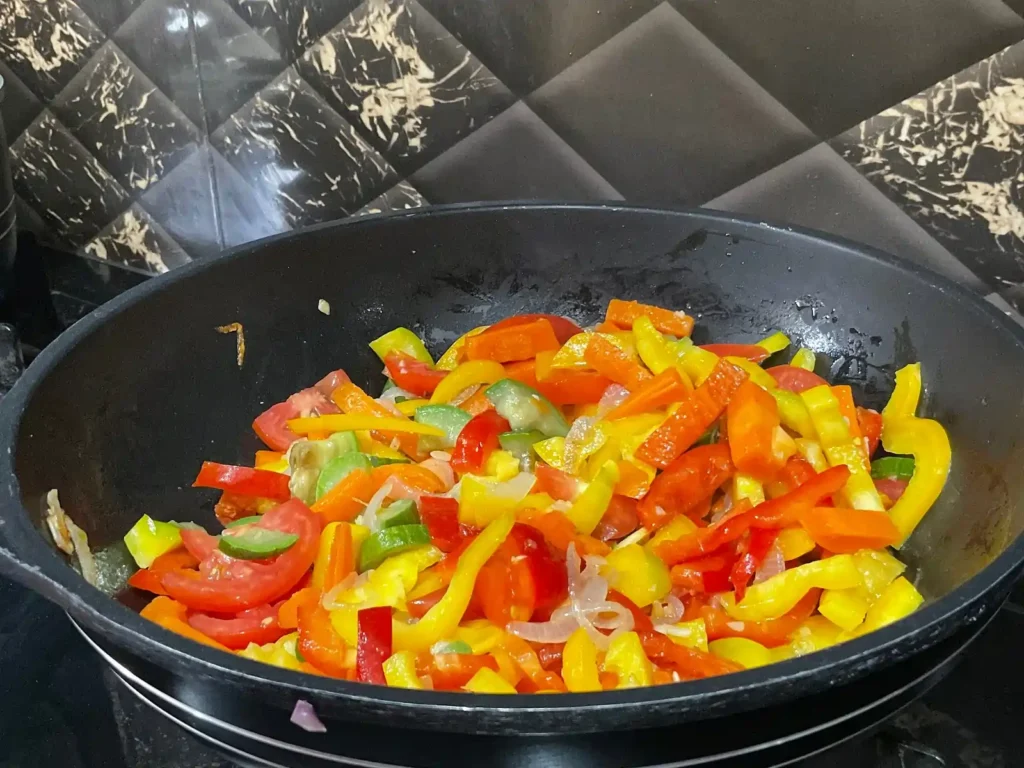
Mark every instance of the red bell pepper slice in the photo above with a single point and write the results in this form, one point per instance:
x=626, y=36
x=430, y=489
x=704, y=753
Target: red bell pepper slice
x=232, y=589
x=255, y=625
x=513, y=342
x=755, y=550
x=705, y=575
x=751, y=352
x=374, y=644
x=624, y=313
x=504, y=588
x=870, y=422
x=550, y=580
x=795, y=379
x=775, y=513
x=610, y=361
x=243, y=480
x=564, y=328
x=844, y=531
x=451, y=671
x=441, y=516
x=751, y=419
x=319, y=644
x=771, y=633
x=477, y=440
x=686, y=482
x=555, y=483
x=563, y=386
x=693, y=417
x=796, y=472
x=619, y=520
x=413, y=375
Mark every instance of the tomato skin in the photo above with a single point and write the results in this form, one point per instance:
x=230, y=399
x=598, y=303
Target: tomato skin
x=198, y=543
x=794, y=379
x=478, y=440
x=255, y=625
x=245, y=481
x=331, y=382
x=271, y=426
x=504, y=587
x=413, y=375
x=870, y=422
x=550, y=580
x=751, y=352
x=564, y=328
x=619, y=520
x=227, y=585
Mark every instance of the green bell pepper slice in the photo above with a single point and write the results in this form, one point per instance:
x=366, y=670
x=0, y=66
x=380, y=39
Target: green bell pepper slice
x=898, y=467
x=391, y=541
x=526, y=409
x=520, y=442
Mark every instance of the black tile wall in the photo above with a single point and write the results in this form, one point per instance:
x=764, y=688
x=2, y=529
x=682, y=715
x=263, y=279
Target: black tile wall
x=145, y=133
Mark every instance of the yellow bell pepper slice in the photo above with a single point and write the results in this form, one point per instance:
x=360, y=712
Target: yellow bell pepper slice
x=449, y=361
x=639, y=536
x=804, y=358
x=878, y=569
x=579, y=663
x=400, y=671
x=442, y=620
x=280, y=653
x=572, y=353
x=534, y=501
x=344, y=422
x=747, y=653
x=480, y=635
x=482, y=500
x=845, y=608
x=637, y=573
x=794, y=543
x=401, y=340
x=793, y=413
x=465, y=376
x=323, y=553
x=656, y=352
x=777, y=342
x=676, y=528
x=149, y=538
x=371, y=447
x=926, y=440
x=698, y=363
x=589, y=507
x=626, y=658
x=745, y=486
x=486, y=680
x=408, y=407
x=778, y=595
x=900, y=599
x=811, y=452
x=501, y=466
x=692, y=634
x=551, y=452
x=757, y=374
x=815, y=634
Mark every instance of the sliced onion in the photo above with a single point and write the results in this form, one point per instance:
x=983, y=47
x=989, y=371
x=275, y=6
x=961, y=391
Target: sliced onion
x=369, y=515
x=442, y=468
x=774, y=563
x=668, y=613
x=726, y=506
x=441, y=455
x=86, y=562
x=305, y=717
x=580, y=434
x=515, y=489
x=330, y=598
x=464, y=395
x=394, y=393
x=614, y=396
x=553, y=631
x=402, y=490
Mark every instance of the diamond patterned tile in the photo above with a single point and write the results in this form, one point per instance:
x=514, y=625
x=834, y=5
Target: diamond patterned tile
x=401, y=197
x=515, y=156
x=671, y=139
x=124, y=120
x=952, y=156
x=18, y=105
x=835, y=65
x=109, y=14
x=245, y=212
x=183, y=203
x=55, y=175
x=292, y=26
x=46, y=42
x=528, y=43
x=292, y=146
x=403, y=80
x=817, y=189
x=135, y=241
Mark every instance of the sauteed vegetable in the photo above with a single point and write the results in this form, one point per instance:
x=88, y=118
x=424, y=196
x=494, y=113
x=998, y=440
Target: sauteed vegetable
x=547, y=508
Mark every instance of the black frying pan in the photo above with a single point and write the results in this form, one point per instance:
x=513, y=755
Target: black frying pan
x=118, y=413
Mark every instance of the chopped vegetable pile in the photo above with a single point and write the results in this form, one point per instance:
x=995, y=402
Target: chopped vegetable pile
x=549, y=509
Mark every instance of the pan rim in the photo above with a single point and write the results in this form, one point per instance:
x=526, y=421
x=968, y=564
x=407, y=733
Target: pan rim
x=793, y=677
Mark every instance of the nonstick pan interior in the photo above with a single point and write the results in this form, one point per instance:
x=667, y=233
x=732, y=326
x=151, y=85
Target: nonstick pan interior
x=119, y=413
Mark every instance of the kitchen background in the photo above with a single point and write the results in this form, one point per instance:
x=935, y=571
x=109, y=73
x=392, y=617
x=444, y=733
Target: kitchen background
x=147, y=133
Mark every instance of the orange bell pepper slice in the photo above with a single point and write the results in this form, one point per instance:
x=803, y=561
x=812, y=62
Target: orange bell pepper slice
x=693, y=417
x=657, y=392
x=413, y=475
x=267, y=457
x=844, y=394
x=751, y=418
x=318, y=643
x=610, y=361
x=770, y=633
x=563, y=386
x=512, y=343
x=843, y=531
x=623, y=313
x=633, y=481
x=477, y=403
x=288, y=613
x=870, y=422
x=170, y=614
x=351, y=399
x=752, y=352
x=685, y=483
x=347, y=499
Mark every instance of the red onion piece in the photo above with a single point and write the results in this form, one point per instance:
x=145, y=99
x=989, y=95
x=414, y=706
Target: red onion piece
x=305, y=717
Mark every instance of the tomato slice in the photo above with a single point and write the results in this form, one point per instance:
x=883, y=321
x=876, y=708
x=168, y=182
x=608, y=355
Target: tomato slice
x=555, y=483
x=227, y=585
x=795, y=379
x=271, y=426
x=331, y=382
x=199, y=543
x=619, y=520
x=564, y=328
x=751, y=352
x=255, y=625
x=413, y=375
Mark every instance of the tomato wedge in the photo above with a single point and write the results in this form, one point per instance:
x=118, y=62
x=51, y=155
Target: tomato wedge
x=272, y=425
x=795, y=379
x=227, y=589
x=413, y=375
x=751, y=352
x=564, y=328
x=619, y=520
x=255, y=625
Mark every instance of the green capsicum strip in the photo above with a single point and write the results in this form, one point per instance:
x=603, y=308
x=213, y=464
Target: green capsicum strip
x=336, y=470
x=525, y=408
x=391, y=541
x=896, y=467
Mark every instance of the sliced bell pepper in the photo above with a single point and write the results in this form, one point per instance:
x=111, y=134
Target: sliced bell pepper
x=694, y=415
x=374, y=645
x=843, y=607
x=525, y=408
x=170, y=615
x=755, y=353
x=692, y=634
x=401, y=340
x=870, y=422
x=477, y=440
x=355, y=402
x=619, y=520
x=346, y=500
x=588, y=508
x=512, y=342
x=148, y=539
x=925, y=440
x=900, y=599
x=454, y=355
x=520, y=442
x=849, y=530
x=579, y=663
x=656, y=352
x=686, y=482
x=778, y=595
x=563, y=327
x=610, y=361
x=667, y=387
x=793, y=414
x=243, y=480
x=451, y=671
x=413, y=375
x=755, y=549
x=572, y=353
x=751, y=418
x=848, y=408
x=562, y=386
x=624, y=313
x=441, y=620
x=336, y=556
x=537, y=678
x=638, y=574
x=795, y=379
x=346, y=422
x=441, y=516
x=465, y=376
x=749, y=654
x=556, y=483
x=635, y=479
x=794, y=543
x=626, y=658
x=486, y=680
x=804, y=358
x=288, y=611
x=400, y=671
x=777, y=342
x=416, y=477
